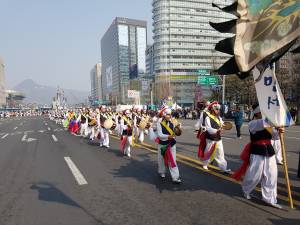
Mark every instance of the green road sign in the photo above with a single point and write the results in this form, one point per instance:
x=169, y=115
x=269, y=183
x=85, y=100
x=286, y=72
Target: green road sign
x=203, y=72
x=208, y=80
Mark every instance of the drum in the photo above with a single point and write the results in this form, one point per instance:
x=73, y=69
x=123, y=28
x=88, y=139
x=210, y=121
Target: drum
x=108, y=124
x=227, y=125
x=175, y=122
x=177, y=130
x=93, y=122
x=143, y=124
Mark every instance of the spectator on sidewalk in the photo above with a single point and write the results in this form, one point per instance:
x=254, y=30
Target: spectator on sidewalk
x=238, y=116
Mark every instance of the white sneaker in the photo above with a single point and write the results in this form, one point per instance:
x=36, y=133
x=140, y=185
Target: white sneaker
x=177, y=181
x=247, y=196
x=227, y=171
x=205, y=167
x=129, y=155
x=275, y=205
x=162, y=175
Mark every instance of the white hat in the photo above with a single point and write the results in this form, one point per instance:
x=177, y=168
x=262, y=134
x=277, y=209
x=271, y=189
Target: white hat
x=168, y=111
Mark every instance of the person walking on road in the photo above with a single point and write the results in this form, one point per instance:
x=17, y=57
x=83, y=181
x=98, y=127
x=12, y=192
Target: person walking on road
x=259, y=161
x=238, y=117
x=167, y=147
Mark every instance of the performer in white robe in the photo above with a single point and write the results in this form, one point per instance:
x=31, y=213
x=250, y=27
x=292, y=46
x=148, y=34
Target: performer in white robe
x=262, y=164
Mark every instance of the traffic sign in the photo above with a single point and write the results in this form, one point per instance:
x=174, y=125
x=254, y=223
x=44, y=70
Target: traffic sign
x=203, y=72
x=208, y=80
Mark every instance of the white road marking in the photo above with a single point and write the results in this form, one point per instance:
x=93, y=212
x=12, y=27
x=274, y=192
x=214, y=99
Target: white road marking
x=28, y=131
x=298, y=138
x=41, y=131
x=75, y=171
x=229, y=138
x=15, y=128
x=49, y=128
x=54, y=138
x=24, y=137
x=5, y=136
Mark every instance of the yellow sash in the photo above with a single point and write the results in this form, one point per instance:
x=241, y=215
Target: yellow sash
x=127, y=121
x=216, y=119
x=171, y=132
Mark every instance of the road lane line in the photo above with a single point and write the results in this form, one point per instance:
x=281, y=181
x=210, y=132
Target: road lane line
x=49, y=128
x=75, y=171
x=5, y=136
x=24, y=137
x=15, y=128
x=54, y=138
x=293, y=138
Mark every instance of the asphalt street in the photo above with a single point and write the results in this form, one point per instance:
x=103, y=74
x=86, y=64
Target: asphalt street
x=50, y=177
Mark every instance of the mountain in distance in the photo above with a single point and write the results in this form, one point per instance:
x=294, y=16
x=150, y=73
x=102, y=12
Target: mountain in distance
x=41, y=94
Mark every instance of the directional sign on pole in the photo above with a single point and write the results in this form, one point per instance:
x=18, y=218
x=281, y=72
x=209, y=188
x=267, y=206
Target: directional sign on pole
x=208, y=80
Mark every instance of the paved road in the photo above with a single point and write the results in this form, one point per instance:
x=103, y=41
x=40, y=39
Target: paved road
x=51, y=177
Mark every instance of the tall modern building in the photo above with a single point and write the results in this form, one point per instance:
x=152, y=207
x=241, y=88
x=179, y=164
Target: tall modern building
x=150, y=62
x=96, y=89
x=184, y=45
x=123, y=48
x=2, y=84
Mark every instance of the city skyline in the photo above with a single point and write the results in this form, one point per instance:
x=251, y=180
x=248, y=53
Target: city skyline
x=56, y=43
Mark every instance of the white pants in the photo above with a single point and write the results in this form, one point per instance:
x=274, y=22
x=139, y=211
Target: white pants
x=84, y=129
x=161, y=163
x=141, y=135
x=104, y=137
x=277, y=147
x=262, y=169
x=152, y=134
x=128, y=145
x=93, y=133
x=219, y=154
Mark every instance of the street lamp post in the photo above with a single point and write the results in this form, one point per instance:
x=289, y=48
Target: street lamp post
x=223, y=89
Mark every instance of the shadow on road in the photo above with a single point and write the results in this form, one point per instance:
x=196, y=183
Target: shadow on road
x=49, y=193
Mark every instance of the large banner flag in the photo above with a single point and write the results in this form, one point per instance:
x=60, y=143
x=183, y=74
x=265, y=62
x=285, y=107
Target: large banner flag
x=271, y=101
x=263, y=31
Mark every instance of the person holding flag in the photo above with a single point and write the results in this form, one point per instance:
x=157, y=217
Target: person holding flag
x=259, y=161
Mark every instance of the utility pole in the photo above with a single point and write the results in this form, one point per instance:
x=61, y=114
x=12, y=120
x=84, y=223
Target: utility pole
x=223, y=89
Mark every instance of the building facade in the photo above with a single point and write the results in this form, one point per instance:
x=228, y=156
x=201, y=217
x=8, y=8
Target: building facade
x=96, y=84
x=123, y=48
x=150, y=62
x=2, y=84
x=184, y=43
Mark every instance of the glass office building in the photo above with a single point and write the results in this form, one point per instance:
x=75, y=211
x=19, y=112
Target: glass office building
x=123, y=48
x=95, y=76
x=2, y=85
x=184, y=44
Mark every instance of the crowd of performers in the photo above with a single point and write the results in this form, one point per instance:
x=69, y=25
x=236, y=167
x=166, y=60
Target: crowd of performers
x=260, y=156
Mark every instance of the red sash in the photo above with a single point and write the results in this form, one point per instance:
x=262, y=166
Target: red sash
x=245, y=157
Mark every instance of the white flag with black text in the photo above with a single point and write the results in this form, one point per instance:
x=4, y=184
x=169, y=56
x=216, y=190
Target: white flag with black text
x=271, y=102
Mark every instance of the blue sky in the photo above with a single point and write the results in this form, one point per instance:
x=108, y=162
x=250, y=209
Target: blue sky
x=56, y=42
